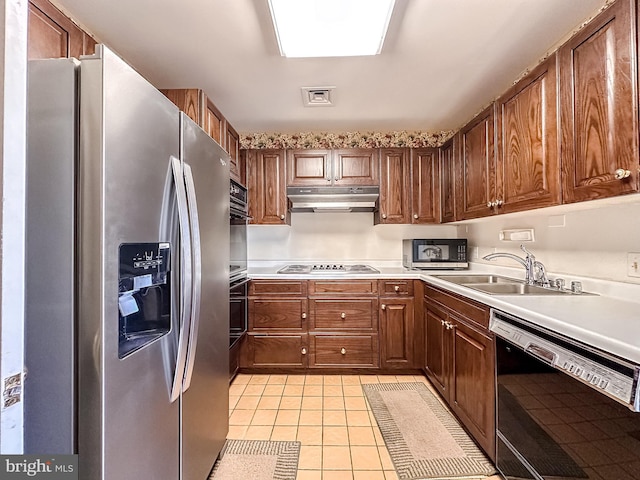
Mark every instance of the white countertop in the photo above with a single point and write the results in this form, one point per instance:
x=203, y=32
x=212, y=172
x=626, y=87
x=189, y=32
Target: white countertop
x=609, y=320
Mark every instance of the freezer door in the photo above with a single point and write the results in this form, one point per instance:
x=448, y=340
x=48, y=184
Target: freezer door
x=128, y=427
x=205, y=403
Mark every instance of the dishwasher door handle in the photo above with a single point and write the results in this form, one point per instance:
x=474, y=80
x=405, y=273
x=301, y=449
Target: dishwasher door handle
x=541, y=353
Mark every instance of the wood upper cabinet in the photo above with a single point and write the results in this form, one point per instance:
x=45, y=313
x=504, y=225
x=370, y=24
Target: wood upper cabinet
x=344, y=167
x=476, y=168
x=197, y=105
x=599, y=106
x=51, y=34
x=447, y=180
x=266, y=187
x=233, y=147
x=528, y=169
x=395, y=187
x=309, y=167
x=425, y=185
x=355, y=166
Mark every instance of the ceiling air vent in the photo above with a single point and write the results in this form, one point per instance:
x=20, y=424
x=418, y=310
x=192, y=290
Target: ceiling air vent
x=317, y=96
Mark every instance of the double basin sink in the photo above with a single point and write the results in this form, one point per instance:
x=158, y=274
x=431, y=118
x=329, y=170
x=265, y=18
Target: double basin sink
x=498, y=285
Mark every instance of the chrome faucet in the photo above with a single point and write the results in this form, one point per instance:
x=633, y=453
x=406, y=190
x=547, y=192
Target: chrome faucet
x=535, y=273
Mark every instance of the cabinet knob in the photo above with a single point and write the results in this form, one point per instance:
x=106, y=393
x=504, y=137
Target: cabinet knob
x=304, y=315
x=343, y=351
x=303, y=351
x=491, y=204
x=383, y=306
x=282, y=217
x=449, y=325
x=499, y=203
x=415, y=215
x=396, y=288
x=621, y=173
x=343, y=315
x=384, y=215
x=442, y=322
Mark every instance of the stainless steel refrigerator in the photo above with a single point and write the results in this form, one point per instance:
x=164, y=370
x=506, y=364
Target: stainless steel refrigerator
x=127, y=276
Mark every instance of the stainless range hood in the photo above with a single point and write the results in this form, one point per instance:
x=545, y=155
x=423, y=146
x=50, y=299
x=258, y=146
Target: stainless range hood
x=333, y=199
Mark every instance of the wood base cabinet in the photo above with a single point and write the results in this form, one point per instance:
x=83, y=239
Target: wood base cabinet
x=397, y=329
x=274, y=350
x=460, y=361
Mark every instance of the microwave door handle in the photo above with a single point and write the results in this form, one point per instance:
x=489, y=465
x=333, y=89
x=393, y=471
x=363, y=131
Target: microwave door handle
x=186, y=278
x=196, y=291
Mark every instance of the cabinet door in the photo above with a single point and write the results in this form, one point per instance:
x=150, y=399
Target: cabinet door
x=266, y=187
x=271, y=314
x=437, y=353
x=475, y=184
x=276, y=351
x=191, y=101
x=394, y=187
x=528, y=174
x=598, y=106
x=425, y=185
x=396, y=332
x=214, y=125
x=53, y=35
x=233, y=147
x=472, y=393
x=309, y=167
x=355, y=166
x=447, y=181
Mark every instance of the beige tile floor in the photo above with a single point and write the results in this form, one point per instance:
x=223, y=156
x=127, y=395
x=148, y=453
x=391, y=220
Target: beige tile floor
x=328, y=414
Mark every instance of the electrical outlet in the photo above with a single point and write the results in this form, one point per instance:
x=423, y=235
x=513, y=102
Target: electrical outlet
x=633, y=264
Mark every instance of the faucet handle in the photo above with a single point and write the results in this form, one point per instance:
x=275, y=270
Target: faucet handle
x=560, y=283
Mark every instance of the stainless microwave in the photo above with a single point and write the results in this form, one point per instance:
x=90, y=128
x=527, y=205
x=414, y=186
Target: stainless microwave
x=442, y=254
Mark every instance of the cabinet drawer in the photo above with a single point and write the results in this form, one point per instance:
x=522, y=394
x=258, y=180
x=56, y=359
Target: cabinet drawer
x=476, y=312
x=395, y=287
x=351, y=314
x=277, y=350
x=332, y=287
x=277, y=314
x=287, y=287
x=344, y=350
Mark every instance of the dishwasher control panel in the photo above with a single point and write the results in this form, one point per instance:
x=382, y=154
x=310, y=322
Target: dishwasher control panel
x=597, y=375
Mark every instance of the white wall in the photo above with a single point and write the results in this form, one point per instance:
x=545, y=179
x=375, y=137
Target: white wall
x=336, y=236
x=593, y=242
x=13, y=107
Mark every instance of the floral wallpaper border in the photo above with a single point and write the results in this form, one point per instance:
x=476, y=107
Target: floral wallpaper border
x=345, y=140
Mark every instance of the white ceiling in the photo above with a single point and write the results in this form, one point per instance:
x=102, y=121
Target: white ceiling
x=443, y=59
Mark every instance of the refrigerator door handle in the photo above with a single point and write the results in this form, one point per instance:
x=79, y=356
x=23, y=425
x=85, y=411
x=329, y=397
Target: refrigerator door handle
x=197, y=275
x=186, y=280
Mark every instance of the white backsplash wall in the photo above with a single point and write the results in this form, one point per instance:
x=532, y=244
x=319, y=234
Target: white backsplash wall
x=347, y=237
x=592, y=243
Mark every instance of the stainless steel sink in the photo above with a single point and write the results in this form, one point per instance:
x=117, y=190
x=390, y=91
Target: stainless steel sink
x=471, y=279
x=515, y=289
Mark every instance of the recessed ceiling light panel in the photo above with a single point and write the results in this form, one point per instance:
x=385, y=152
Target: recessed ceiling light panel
x=330, y=28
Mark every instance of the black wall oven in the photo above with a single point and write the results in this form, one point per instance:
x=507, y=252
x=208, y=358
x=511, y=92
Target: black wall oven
x=564, y=410
x=238, y=282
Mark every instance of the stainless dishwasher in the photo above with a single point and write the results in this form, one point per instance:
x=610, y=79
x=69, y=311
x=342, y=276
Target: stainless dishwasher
x=565, y=410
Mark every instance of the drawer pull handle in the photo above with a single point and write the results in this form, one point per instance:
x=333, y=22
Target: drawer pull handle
x=304, y=351
x=396, y=288
x=304, y=315
x=343, y=315
x=343, y=351
x=383, y=306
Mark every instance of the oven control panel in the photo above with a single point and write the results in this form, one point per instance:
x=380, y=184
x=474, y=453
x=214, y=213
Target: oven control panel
x=596, y=375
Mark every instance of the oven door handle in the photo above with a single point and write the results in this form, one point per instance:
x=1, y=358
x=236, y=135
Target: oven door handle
x=237, y=213
x=541, y=353
x=239, y=284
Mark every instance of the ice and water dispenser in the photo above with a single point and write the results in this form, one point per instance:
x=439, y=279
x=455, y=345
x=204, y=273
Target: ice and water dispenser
x=144, y=295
